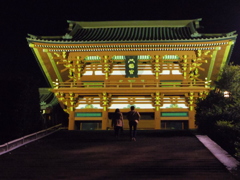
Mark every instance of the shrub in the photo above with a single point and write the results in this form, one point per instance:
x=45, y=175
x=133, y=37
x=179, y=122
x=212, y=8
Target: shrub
x=224, y=134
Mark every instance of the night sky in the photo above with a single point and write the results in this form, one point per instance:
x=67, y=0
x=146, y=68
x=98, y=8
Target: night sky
x=49, y=17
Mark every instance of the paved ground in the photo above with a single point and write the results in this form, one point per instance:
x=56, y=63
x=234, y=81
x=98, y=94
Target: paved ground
x=97, y=155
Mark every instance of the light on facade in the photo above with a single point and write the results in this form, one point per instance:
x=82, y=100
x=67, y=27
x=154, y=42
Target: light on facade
x=226, y=94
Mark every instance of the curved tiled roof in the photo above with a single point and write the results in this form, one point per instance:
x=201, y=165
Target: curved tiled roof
x=132, y=31
x=132, y=34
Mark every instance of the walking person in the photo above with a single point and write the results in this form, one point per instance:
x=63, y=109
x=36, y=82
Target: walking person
x=117, y=122
x=133, y=119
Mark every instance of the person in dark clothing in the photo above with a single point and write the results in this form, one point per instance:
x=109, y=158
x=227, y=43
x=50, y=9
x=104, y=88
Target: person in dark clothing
x=133, y=119
x=117, y=122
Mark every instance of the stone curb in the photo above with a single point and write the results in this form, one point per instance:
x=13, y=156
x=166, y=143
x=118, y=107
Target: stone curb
x=227, y=160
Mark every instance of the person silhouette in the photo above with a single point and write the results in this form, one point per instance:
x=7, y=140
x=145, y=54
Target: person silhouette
x=133, y=119
x=117, y=122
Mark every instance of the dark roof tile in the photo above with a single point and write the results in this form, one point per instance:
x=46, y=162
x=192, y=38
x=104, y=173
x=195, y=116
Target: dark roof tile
x=132, y=34
x=119, y=31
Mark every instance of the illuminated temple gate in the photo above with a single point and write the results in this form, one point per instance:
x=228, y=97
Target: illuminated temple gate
x=161, y=67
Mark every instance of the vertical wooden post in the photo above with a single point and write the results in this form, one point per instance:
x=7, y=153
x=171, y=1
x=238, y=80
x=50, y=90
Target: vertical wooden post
x=191, y=111
x=105, y=104
x=192, y=119
x=71, y=120
x=157, y=66
x=71, y=111
x=106, y=67
x=104, y=120
x=157, y=119
x=79, y=68
x=157, y=104
x=184, y=66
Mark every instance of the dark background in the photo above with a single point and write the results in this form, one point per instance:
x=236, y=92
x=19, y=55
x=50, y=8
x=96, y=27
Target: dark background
x=49, y=17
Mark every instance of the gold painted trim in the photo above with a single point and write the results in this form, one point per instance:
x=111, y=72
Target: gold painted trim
x=225, y=57
x=172, y=45
x=211, y=66
x=43, y=66
x=54, y=66
x=31, y=45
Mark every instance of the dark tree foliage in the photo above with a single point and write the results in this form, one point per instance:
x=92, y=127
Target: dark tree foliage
x=230, y=80
x=215, y=107
x=19, y=107
x=219, y=116
x=209, y=111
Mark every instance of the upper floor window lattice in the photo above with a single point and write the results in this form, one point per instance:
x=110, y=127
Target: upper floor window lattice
x=171, y=57
x=140, y=57
x=92, y=58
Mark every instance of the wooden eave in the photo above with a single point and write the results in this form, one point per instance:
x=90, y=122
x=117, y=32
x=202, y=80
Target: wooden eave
x=207, y=39
x=140, y=44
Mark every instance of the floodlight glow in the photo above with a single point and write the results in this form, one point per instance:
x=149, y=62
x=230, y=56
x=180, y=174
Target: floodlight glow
x=117, y=72
x=165, y=72
x=88, y=73
x=145, y=72
x=176, y=72
x=89, y=106
x=125, y=106
x=99, y=73
x=174, y=106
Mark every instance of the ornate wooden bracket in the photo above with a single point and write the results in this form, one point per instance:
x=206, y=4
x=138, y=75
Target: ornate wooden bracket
x=157, y=66
x=184, y=64
x=79, y=68
x=196, y=63
x=191, y=100
x=157, y=100
x=107, y=66
x=105, y=100
x=68, y=101
x=66, y=62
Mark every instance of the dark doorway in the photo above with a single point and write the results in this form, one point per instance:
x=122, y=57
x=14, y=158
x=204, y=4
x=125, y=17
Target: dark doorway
x=177, y=125
x=89, y=125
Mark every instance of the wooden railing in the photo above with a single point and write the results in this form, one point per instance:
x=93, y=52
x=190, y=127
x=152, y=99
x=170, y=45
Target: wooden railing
x=129, y=85
x=9, y=146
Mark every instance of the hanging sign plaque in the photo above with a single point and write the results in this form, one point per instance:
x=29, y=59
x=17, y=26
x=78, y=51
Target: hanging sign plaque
x=131, y=66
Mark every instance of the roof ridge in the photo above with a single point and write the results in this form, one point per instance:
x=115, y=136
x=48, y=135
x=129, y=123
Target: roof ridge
x=132, y=23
